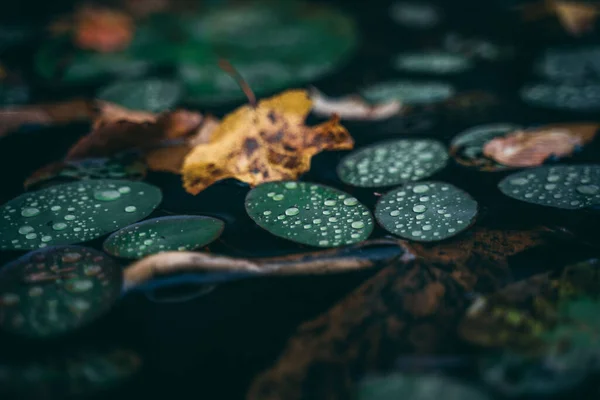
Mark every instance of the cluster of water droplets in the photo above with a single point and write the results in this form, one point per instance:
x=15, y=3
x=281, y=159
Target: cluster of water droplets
x=563, y=95
x=310, y=214
x=426, y=211
x=433, y=62
x=70, y=213
x=568, y=187
x=392, y=163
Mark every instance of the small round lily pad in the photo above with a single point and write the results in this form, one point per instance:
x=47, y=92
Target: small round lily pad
x=572, y=64
x=413, y=14
x=52, y=291
x=467, y=147
x=308, y=213
x=181, y=232
x=433, y=62
x=67, y=374
x=393, y=163
x=566, y=96
x=409, y=92
x=74, y=212
x=426, y=211
x=416, y=386
x=569, y=187
x=153, y=95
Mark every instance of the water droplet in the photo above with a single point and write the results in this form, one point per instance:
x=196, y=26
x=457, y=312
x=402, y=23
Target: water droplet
x=427, y=227
x=291, y=185
x=358, y=225
x=292, y=211
x=330, y=203
x=124, y=189
x=30, y=212
x=332, y=219
x=271, y=194
x=424, y=198
x=395, y=213
x=148, y=242
x=308, y=226
x=588, y=189
x=550, y=186
x=130, y=209
x=519, y=181
x=420, y=188
x=317, y=221
x=280, y=217
x=574, y=202
x=31, y=236
x=268, y=212
x=69, y=217
x=323, y=242
x=553, y=178
x=350, y=201
x=278, y=197
x=59, y=226
x=55, y=208
x=419, y=208
x=46, y=238
x=416, y=233
x=107, y=195
x=24, y=230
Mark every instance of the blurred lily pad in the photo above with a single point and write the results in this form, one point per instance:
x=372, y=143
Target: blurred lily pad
x=441, y=63
x=577, y=64
x=419, y=15
x=566, y=96
x=308, y=213
x=176, y=233
x=409, y=92
x=569, y=187
x=393, y=162
x=426, y=211
x=74, y=212
x=153, y=95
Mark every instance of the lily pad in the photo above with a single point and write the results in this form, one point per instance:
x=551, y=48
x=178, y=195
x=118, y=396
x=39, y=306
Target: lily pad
x=573, y=64
x=467, y=147
x=52, y=291
x=393, y=162
x=409, y=92
x=433, y=62
x=60, y=375
x=419, y=15
x=89, y=168
x=182, y=232
x=567, y=96
x=153, y=95
x=308, y=213
x=569, y=187
x=416, y=386
x=74, y=212
x=426, y=211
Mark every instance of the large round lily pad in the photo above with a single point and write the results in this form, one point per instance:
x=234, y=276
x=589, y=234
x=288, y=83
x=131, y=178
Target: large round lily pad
x=426, y=211
x=416, y=386
x=409, y=92
x=566, y=96
x=153, y=95
x=67, y=374
x=52, y=291
x=74, y=212
x=156, y=235
x=467, y=147
x=308, y=213
x=569, y=187
x=393, y=162
x=433, y=62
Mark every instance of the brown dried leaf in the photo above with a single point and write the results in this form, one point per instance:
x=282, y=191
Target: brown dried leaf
x=353, y=107
x=102, y=29
x=532, y=147
x=576, y=17
x=117, y=129
x=268, y=142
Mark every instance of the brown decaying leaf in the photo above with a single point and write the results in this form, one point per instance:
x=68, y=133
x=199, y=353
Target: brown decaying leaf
x=576, y=17
x=532, y=147
x=353, y=107
x=263, y=143
x=170, y=158
x=12, y=118
x=403, y=309
x=102, y=29
x=320, y=262
x=117, y=129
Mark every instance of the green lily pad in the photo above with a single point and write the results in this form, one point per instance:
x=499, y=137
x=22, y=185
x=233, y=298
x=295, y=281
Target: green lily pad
x=153, y=95
x=182, y=232
x=416, y=386
x=565, y=96
x=393, y=162
x=571, y=64
x=467, y=147
x=74, y=212
x=409, y=92
x=426, y=211
x=52, y=291
x=413, y=14
x=308, y=213
x=89, y=168
x=433, y=62
x=569, y=187
x=68, y=373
